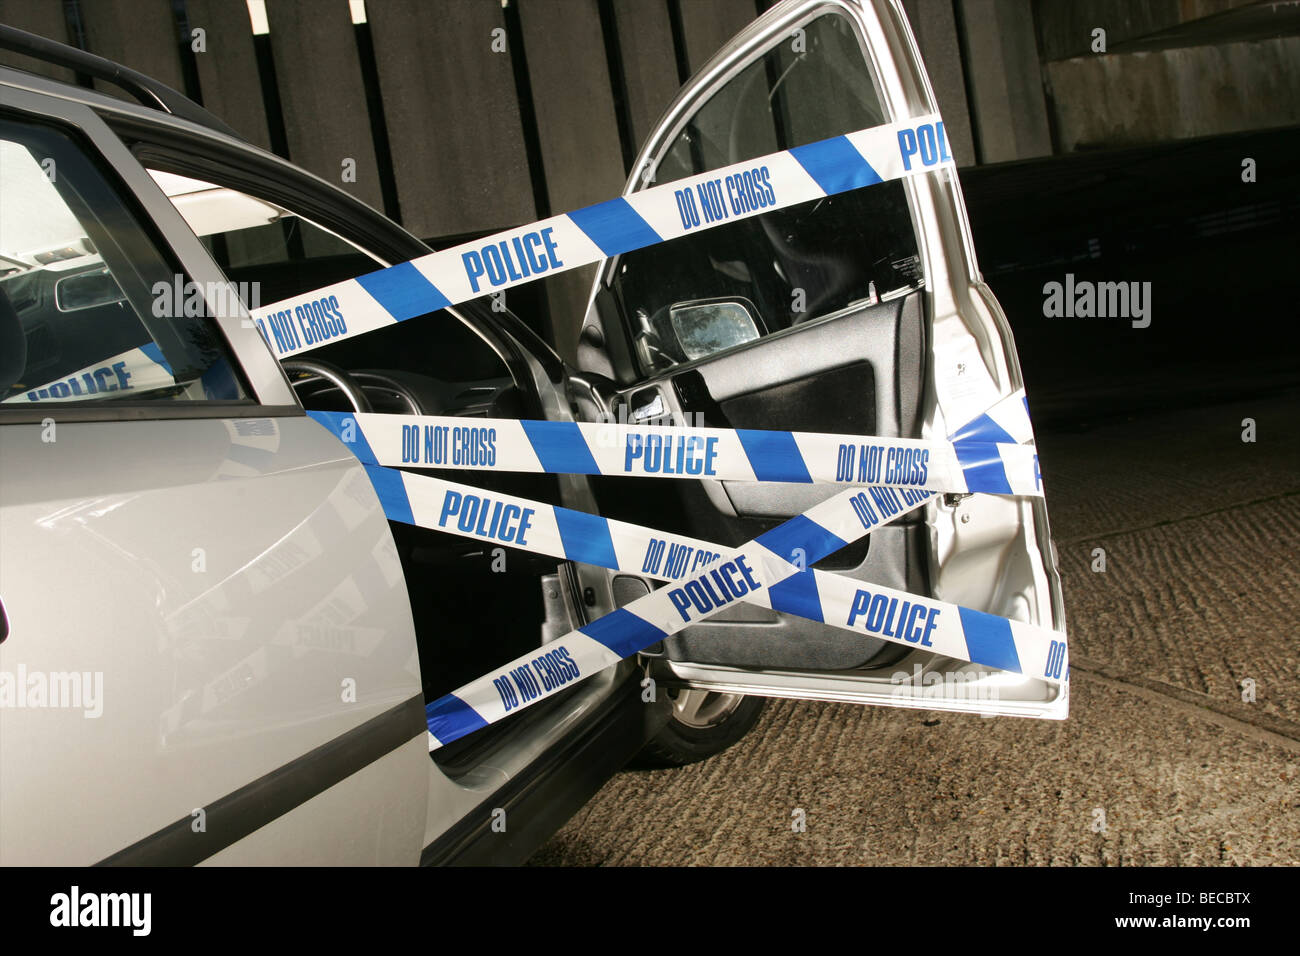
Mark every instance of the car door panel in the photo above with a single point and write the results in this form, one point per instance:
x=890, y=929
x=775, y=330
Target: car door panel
x=214, y=591
x=859, y=372
x=856, y=372
x=229, y=604
x=294, y=838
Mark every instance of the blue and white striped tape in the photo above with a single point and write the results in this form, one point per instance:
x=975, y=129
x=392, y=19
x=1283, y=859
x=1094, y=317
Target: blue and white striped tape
x=425, y=441
x=759, y=573
x=135, y=370
x=710, y=578
x=1006, y=421
x=947, y=629
x=501, y=519
x=629, y=222
x=510, y=521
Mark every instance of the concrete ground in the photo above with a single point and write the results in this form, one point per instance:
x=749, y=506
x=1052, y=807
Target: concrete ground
x=1201, y=593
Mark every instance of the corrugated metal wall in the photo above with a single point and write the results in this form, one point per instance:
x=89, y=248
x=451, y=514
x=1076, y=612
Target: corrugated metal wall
x=462, y=116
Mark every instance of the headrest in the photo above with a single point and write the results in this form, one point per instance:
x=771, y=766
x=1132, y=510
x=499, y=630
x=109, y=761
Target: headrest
x=13, y=345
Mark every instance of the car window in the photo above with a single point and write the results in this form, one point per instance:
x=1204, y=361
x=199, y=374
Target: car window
x=812, y=85
x=91, y=309
x=265, y=250
x=718, y=289
x=270, y=252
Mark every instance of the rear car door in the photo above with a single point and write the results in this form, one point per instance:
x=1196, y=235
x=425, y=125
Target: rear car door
x=859, y=313
x=277, y=231
x=209, y=653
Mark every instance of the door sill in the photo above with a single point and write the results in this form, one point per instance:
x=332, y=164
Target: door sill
x=921, y=681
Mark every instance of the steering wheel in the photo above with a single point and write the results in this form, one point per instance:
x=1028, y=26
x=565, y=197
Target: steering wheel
x=332, y=374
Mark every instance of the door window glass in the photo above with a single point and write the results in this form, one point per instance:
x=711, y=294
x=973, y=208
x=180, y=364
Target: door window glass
x=265, y=250
x=90, y=308
x=270, y=253
x=811, y=86
x=787, y=266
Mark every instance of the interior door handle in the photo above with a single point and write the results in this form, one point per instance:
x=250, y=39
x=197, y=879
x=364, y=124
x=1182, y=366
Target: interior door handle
x=595, y=389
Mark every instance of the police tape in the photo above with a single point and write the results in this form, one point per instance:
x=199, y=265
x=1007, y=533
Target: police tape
x=758, y=572
x=498, y=518
x=503, y=519
x=730, y=574
x=135, y=370
x=1005, y=422
x=665, y=451
x=568, y=241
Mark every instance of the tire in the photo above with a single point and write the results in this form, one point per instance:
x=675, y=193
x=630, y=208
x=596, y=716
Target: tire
x=702, y=724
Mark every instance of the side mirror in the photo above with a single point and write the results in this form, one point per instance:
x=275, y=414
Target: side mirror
x=708, y=326
x=86, y=290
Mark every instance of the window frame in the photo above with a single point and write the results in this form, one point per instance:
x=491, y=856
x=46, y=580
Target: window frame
x=376, y=262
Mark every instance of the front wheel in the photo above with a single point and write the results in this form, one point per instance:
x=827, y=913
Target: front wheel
x=703, y=723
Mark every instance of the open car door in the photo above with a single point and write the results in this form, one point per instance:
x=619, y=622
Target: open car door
x=859, y=313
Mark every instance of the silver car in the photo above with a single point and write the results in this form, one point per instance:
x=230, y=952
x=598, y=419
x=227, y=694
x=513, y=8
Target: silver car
x=216, y=647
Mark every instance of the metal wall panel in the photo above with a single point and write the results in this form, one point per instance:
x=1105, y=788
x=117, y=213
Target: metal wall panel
x=322, y=93
x=42, y=17
x=228, y=75
x=452, y=115
x=140, y=34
